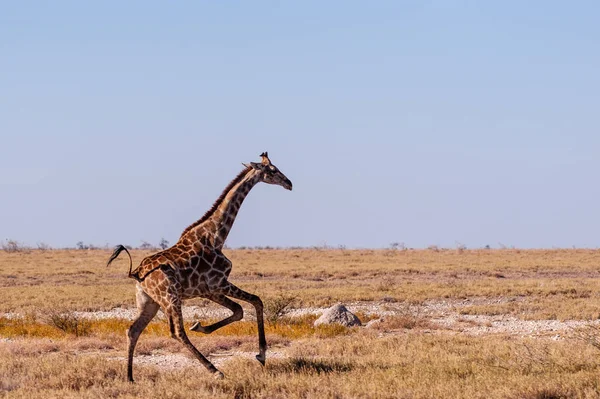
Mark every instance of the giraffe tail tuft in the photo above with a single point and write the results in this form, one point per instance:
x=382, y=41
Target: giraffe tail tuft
x=115, y=255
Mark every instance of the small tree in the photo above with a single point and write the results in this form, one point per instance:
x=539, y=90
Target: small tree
x=146, y=245
x=12, y=246
x=397, y=246
x=42, y=246
x=163, y=244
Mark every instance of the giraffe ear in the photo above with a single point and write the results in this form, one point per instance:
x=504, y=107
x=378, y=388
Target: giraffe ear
x=256, y=166
x=265, y=158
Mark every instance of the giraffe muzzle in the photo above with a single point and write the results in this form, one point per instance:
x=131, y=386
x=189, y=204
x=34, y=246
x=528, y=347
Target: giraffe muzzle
x=288, y=184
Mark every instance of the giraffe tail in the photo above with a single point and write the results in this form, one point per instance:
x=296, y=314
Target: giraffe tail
x=115, y=255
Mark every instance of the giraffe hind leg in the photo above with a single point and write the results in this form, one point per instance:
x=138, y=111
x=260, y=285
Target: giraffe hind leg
x=147, y=310
x=221, y=299
x=174, y=312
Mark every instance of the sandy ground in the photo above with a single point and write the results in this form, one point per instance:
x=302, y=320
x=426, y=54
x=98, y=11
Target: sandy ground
x=170, y=361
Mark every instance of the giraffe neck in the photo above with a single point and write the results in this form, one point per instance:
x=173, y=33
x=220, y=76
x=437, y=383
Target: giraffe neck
x=217, y=227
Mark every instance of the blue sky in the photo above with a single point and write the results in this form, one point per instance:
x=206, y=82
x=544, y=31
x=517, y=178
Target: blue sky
x=428, y=123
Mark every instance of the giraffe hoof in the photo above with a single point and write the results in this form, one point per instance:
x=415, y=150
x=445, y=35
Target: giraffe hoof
x=198, y=328
x=217, y=375
x=261, y=358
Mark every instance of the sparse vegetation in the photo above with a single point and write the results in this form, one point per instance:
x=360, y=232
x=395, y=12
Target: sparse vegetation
x=460, y=247
x=359, y=365
x=83, y=246
x=406, y=354
x=561, y=284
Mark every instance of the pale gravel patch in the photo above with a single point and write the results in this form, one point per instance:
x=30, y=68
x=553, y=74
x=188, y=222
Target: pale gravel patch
x=378, y=308
x=166, y=361
x=171, y=361
x=189, y=312
x=11, y=315
x=482, y=325
x=432, y=308
x=220, y=358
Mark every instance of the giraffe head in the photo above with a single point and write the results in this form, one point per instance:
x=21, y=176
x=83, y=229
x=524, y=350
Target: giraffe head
x=269, y=173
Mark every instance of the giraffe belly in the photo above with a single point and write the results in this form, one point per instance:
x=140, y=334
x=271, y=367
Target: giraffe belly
x=194, y=288
x=194, y=293
x=198, y=285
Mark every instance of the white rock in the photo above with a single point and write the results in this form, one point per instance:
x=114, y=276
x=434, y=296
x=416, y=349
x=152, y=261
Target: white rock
x=338, y=314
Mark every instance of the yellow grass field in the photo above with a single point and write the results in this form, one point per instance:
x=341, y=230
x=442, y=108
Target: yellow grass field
x=445, y=323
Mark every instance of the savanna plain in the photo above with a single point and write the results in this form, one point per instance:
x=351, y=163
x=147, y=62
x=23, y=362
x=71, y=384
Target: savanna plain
x=437, y=323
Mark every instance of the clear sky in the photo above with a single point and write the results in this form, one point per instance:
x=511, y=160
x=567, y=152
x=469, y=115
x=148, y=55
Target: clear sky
x=423, y=122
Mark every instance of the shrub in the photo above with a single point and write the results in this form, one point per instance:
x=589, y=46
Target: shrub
x=398, y=246
x=434, y=248
x=42, y=246
x=12, y=246
x=276, y=307
x=146, y=246
x=314, y=366
x=70, y=323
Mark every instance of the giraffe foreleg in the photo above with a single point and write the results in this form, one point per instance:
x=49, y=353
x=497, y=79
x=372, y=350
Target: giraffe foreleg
x=235, y=307
x=237, y=293
x=171, y=327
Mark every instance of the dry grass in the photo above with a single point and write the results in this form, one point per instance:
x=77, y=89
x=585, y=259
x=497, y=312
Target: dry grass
x=403, y=321
x=68, y=326
x=563, y=284
x=361, y=365
x=402, y=357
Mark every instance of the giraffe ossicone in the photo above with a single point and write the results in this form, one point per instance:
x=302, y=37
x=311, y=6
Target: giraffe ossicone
x=196, y=267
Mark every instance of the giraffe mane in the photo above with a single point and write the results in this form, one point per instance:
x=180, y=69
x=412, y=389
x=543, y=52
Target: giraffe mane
x=219, y=200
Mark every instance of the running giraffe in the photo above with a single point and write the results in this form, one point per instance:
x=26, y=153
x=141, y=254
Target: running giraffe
x=196, y=267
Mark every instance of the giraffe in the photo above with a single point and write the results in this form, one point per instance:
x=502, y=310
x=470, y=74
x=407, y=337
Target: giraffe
x=196, y=267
